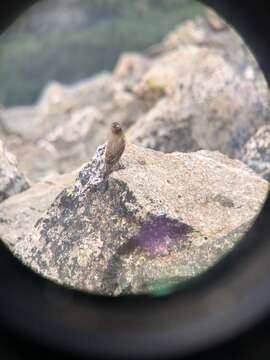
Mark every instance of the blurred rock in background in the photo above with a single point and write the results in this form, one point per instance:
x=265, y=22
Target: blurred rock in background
x=70, y=40
x=256, y=152
x=12, y=181
x=199, y=88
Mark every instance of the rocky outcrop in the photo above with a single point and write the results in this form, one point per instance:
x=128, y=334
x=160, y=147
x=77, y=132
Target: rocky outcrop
x=210, y=31
x=200, y=88
x=19, y=213
x=104, y=93
x=256, y=152
x=12, y=181
x=166, y=128
x=72, y=144
x=143, y=226
x=205, y=67
x=224, y=107
x=63, y=130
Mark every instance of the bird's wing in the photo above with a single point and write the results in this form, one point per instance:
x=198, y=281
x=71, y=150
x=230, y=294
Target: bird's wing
x=112, y=158
x=114, y=154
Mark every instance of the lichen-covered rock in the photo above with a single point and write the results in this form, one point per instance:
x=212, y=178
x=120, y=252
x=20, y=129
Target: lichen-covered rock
x=256, y=152
x=20, y=212
x=160, y=217
x=12, y=181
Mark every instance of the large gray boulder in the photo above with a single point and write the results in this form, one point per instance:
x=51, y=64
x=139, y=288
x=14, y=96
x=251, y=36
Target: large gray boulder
x=12, y=181
x=158, y=218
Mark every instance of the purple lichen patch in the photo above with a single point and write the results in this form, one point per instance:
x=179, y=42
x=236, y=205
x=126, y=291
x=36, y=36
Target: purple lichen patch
x=160, y=235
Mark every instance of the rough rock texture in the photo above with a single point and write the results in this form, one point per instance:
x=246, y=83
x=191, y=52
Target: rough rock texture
x=12, y=181
x=144, y=225
x=256, y=152
x=19, y=213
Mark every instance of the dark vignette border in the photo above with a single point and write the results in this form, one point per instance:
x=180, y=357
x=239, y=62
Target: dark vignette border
x=223, y=303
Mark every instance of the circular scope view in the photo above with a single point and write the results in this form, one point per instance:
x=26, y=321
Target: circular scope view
x=134, y=142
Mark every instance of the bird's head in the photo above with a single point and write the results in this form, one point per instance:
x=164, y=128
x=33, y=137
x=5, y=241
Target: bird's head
x=116, y=128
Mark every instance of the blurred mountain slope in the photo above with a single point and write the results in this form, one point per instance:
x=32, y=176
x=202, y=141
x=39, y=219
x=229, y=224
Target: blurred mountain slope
x=68, y=40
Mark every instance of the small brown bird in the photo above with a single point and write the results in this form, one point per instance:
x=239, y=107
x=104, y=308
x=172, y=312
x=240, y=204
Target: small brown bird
x=115, y=146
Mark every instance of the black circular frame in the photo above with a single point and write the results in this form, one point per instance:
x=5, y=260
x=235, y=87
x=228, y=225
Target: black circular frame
x=209, y=310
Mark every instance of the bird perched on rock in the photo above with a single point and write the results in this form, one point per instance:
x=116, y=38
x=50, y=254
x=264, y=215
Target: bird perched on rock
x=115, y=146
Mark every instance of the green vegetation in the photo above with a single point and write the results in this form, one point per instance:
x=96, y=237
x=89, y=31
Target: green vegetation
x=29, y=60
x=164, y=287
